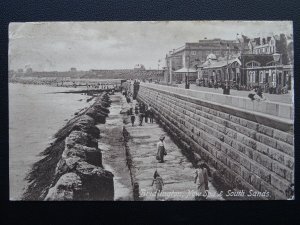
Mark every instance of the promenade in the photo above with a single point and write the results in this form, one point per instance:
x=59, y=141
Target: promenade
x=177, y=172
x=113, y=153
x=282, y=98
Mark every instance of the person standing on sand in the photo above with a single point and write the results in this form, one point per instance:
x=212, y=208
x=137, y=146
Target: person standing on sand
x=201, y=179
x=161, y=151
x=159, y=183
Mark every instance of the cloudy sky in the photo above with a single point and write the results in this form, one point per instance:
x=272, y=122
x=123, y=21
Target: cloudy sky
x=50, y=46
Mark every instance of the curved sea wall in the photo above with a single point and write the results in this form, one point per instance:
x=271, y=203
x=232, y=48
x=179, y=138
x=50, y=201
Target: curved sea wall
x=72, y=166
x=247, y=148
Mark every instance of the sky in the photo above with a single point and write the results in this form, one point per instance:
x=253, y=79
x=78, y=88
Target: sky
x=58, y=46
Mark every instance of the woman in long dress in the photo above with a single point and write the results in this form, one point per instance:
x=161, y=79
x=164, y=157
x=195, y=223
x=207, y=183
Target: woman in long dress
x=161, y=151
x=201, y=179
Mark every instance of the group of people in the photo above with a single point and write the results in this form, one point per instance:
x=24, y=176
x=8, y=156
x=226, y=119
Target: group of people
x=257, y=94
x=141, y=111
x=146, y=112
x=200, y=179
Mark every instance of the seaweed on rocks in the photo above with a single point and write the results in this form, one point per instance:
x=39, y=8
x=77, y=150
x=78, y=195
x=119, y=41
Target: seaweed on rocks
x=68, y=187
x=75, y=142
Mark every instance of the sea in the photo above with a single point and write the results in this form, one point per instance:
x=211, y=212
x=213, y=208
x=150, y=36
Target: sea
x=36, y=113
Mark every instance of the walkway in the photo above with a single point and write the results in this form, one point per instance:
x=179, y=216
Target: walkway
x=113, y=152
x=177, y=172
x=283, y=98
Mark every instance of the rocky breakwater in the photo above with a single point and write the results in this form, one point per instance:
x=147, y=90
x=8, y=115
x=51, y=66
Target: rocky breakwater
x=72, y=167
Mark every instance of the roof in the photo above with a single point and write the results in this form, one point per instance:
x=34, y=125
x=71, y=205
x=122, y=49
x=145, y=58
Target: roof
x=218, y=64
x=185, y=70
x=263, y=59
x=211, y=56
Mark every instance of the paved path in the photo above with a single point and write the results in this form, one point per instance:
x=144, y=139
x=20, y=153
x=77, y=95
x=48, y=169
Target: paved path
x=283, y=98
x=113, y=152
x=177, y=172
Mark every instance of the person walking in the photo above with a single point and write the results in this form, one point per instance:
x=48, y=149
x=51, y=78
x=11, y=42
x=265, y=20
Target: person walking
x=141, y=117
x=201, y=179
x=150, y=113
x=146, y=115
x=161, y=151
x=159, y=183
x=136, y=109
x=132, y=118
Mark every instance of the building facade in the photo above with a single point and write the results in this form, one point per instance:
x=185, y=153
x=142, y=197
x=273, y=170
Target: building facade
x=192, y=54
x=246, y=72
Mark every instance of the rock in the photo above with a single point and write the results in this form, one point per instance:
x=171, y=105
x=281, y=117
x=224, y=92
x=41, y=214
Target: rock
x=67, y=188
x=97, y=181
x=90, y=155
x=82, y=138
x=71, y=156
x=105, y=104
x=97, y=115
x=86, y=124
x=102, y=109
x=66, y=165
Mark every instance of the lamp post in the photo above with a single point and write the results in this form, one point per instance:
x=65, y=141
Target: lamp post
x=187, y=84
x=276, y=57
x=158, y=70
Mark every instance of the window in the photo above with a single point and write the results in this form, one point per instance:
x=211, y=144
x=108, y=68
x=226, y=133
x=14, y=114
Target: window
x=251, y=76
x=193, y=52
x=271, y=63
x=261, y=76
x=252, y=64
x=274, y=77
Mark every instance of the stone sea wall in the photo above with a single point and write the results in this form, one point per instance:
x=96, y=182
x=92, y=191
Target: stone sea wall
x=248, y=145
x=72, y=168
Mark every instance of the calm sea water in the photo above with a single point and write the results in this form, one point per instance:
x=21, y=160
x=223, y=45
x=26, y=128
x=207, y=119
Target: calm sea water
x=35, y=115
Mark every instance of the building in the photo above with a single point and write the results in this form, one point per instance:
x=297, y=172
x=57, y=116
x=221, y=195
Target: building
x=282, y=44
x=215, y=71
x=29, y=70
x=193, y=54
x=262, y=70
x=139, y=67
x=183, y=74
x=247, y=71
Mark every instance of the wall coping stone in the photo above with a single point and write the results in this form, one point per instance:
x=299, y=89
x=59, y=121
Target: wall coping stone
x=276, y=122
x=281, y=110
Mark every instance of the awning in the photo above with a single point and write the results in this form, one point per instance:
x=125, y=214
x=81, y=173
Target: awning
x=185, y=70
